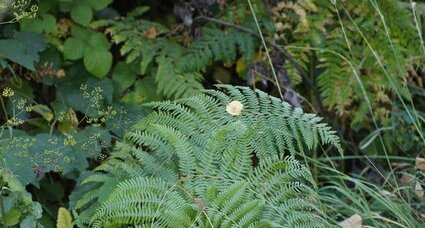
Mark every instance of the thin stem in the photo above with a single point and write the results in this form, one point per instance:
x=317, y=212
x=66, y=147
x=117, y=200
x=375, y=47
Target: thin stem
x=266, y=49
x=3, y=214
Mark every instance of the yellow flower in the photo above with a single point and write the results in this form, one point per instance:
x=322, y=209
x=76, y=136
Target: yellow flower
x=8, y=92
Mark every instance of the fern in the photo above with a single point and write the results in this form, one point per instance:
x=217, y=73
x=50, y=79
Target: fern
x=218, y=45
x=316, y=24
x=146, y=42
x=162, y=52
x=190, y=163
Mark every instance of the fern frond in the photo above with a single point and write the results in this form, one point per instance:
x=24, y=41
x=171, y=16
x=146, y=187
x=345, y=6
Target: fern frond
x=196, y=166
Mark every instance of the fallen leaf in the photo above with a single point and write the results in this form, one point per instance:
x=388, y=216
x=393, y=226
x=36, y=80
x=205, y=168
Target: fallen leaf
x=420, y=163
x=234, y=108
x=355, y=221
x=406, y=178
x=419, y=191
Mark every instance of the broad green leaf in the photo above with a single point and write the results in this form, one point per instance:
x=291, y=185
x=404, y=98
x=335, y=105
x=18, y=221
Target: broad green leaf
x=73, y=48
x=46, y=23
x=81, y=13
x=124, y=75
x=32, y=25
x=145, y=90
x=23, y=49
x=98, y=41
x=15, y=51
x=64, y=219
x=12, y=217
x=99, y=4
x=49, y=23
x=98, y=62
x=81, y=33
x=33, y=42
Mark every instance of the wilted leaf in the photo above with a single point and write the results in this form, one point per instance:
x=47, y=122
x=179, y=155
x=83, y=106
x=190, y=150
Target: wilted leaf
x=151, y=33
x=420, y=163
x=355, y=221
x=419, y=191
x=406, y=178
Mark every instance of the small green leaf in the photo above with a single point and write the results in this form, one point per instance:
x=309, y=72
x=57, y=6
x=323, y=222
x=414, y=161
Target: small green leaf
x=64, y=219
x=81, y=33
x=12, y=217
x=73, y=48
x=99, y=41
x=124, y=75
x=81, y=13
x=98, y=62
x=99, y=4
x=44, y=111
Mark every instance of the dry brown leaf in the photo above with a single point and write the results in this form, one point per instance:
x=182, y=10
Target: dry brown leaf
x=234, y=108
x=419, y=191
x=400, y=165
x=355, y=221
x=406, y=178
x=420, y=163
x=150, y=33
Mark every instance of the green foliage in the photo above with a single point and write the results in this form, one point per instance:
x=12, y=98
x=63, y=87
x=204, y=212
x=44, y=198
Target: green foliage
x=23, y=48
x=93, y=47
x=16, y=203
x=218, y=45
x=192, y=162
x=73, y=76
x=64, y=219
x=149, y=49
